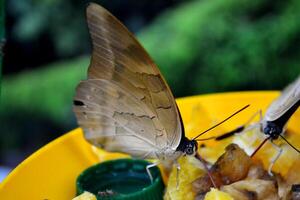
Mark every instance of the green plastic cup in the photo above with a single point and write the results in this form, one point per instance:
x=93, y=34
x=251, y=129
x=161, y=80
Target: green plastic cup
x=121, y=179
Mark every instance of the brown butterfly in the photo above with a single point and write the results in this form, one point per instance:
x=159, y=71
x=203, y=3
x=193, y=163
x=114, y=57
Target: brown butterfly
x=125, y=105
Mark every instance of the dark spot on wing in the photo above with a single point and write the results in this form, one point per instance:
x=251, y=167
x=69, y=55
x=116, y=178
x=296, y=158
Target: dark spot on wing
x=202, y=145
x=78, y=103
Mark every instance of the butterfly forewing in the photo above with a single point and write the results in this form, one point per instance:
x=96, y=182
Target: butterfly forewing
x=289, y=97
x=125, y=105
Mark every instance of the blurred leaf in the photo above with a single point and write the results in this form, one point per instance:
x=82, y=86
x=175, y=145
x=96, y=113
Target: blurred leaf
x=221, y=45
x=48, y=91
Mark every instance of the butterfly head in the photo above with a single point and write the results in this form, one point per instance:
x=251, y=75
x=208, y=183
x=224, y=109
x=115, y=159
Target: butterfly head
x=272, y=130
x=191, y=147
x=188, y=147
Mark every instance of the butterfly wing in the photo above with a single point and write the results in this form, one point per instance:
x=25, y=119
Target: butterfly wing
x=289, y=97
x=125, y=105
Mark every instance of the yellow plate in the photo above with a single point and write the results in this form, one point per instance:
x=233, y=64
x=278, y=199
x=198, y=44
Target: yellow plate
x=50, y=173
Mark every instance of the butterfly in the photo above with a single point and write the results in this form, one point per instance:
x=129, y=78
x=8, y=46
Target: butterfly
x=126, y=105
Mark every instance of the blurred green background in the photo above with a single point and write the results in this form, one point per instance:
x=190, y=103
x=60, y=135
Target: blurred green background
x=201, y=46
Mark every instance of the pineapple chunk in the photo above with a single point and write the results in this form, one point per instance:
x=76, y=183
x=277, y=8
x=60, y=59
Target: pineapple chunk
x=86, y=196
x=190, y=169
x=215, y=194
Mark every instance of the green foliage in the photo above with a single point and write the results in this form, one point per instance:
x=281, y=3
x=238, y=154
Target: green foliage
x=36, y=107
x=48, y=91
x=63, y=22
x=221, y=45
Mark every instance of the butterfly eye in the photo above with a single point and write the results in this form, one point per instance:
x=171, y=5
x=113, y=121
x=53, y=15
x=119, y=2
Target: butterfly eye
x=189, y=150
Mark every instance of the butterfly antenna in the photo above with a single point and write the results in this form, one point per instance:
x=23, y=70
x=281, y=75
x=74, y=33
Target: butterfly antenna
x=290, y=143
x=260, y=146
x=221, y=121
x=204, y=139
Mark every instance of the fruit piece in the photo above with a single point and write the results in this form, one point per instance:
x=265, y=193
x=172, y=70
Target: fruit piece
x=252, y=189
x=232, y=166
x=86, y=196
x=190, y=169
x=215, y=194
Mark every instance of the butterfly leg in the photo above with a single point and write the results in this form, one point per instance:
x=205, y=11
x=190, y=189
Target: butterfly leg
x=143, y=157
x=177, y=165
x=148, y=169
x=275, y=158
x=246, y=141
x=259, y=112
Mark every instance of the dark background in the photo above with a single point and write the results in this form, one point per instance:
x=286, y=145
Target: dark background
x=201, y=46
